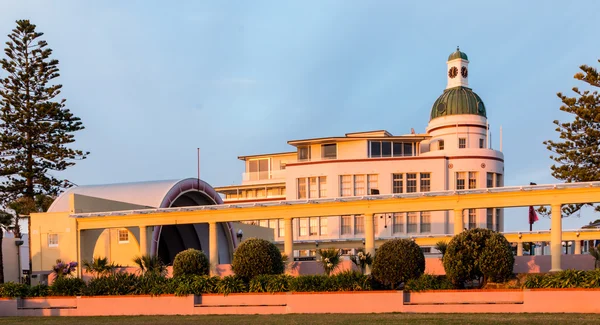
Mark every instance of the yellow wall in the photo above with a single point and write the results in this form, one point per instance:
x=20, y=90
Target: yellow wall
x=108, y=245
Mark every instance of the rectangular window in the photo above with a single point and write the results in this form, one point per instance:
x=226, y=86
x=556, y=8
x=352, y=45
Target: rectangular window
x=264, y=223
x=441, y=145
x=375, y=149
x=462, y=143
x=52, y=240
x=398, y=223
x=397, y=183
x=425, y=182
x=304, y=153
x=329, y=151
x=258, y=169
x=322, y=186
x=314, y=226
x=302, y=188
x=386, y=149
x=282, y=165
x=460, y=180
x=481, y=144
x=376, y=223
x=489, y=222
x=411, y=183
x=472, y=180
x=346, y=251
x=490, y=180
x=313, y=188
x=303, y=226
x=346, y=224
x=472, y=218
x=346, y=185
x=372, y=181
x=425, y=222
x=407, y=149
x=123, y=236
x=498, y=180
x=323, y=225
x=359, y=225
x=412, y=222
x=273, y=224
x=281, y=228
x=397, y=149
x=359, y=185
x=498, y=219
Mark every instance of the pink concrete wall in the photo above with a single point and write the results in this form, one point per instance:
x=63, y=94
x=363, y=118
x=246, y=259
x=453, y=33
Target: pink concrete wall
x=541, y=263
x=443, y=301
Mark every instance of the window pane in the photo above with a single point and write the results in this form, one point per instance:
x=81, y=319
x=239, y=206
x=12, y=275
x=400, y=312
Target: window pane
x=303, y=226
x=462, y=143
x=123, y=236
x=498, y=219
x=301, y=188
x=397, y=183
x=489, y=224
x=386, y=149
x=460, y=180
x=398, y=223
x=346, y=222
x=397, y=149
x=324, y=229
x=412, y=222
x=408, y=149
x=303, y=153
x=373, y=182
x=359, y=225
x=375, y=149
x=441, y=144
x=359, y=185
x=425, y=221
x=346, y=185
x=281, y=228
x=313, y=188
x=472, y=180
x=490, y=180
x=472, y=218
x=481, y=144
x=314, y=226
x=411, y=183
x=323, y=186
x=498, y=180
x=329, y=151
x=425, y=182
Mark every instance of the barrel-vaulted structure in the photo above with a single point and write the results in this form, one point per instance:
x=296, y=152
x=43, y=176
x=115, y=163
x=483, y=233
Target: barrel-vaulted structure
x=166, y=241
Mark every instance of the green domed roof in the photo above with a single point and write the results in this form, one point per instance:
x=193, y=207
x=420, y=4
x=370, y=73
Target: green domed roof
x=458, y=55
x=458, y=101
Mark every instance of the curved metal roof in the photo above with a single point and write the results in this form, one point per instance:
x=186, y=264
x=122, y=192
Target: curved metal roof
x=155, y=194
x=457, y=101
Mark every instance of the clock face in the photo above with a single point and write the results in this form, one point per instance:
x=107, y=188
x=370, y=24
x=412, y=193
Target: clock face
x=464, y=72
x=453, y=72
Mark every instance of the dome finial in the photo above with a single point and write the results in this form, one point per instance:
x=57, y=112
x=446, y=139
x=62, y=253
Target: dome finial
x=457, y=48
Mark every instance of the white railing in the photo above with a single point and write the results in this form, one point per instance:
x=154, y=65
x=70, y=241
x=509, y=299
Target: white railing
x=343, y=199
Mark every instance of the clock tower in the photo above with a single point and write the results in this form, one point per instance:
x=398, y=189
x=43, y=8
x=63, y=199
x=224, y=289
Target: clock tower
x=458, y=69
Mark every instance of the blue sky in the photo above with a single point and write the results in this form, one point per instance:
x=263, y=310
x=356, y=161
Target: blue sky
x=154, y=80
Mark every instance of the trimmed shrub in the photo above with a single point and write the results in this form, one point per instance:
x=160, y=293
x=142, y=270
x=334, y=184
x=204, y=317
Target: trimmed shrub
x=231, y=284
x=64, y=286
x=40, y=290
x=478, y=254
x=195, y=285
x=311, y=283
x=154, y=284
x=351, y=281
x=429, y=282
x=398, y=261
x=255, y=257
x=190, y=262
x=113, y=285
x=14, y=290
x=270, y=283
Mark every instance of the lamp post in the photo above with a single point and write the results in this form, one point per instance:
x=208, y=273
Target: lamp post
x=531, y=252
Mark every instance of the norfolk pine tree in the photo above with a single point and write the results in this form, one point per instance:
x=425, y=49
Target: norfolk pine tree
x=36, y=128
x=577, y=154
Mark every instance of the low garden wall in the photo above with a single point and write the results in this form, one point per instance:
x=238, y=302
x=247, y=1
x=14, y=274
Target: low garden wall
x=447, y=301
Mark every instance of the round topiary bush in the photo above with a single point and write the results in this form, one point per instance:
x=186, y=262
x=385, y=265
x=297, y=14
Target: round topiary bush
x=255, y=257
x=190, y=262
x=478, y=254
x=398, y=261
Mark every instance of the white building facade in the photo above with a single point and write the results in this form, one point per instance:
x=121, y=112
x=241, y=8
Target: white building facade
x=454, y=153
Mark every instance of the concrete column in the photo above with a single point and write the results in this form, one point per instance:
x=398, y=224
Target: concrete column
x=519, y=249
x=143, y=241
x=577, y=247
x=459, y=224
x=288, y=241
x=556, y=238
x=369, y=238
x=212, y=246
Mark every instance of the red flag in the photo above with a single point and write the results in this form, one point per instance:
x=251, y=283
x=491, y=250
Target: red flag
x=532, y=216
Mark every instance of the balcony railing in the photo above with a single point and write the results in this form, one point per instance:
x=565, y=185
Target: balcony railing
x=261, y=176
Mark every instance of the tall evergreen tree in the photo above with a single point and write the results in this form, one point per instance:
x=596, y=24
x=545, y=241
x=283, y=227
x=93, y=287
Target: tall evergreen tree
x=577, y=153
x=36, y=128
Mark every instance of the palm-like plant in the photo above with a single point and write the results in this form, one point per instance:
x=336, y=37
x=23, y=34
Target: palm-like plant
x=595, y=252
x=150, y=264
x=330, y=259
x=100, y=266
x=441, y=246
x=362, y=259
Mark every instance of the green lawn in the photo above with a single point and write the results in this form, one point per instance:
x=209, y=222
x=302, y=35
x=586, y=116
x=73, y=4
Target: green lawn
x=445, y=319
